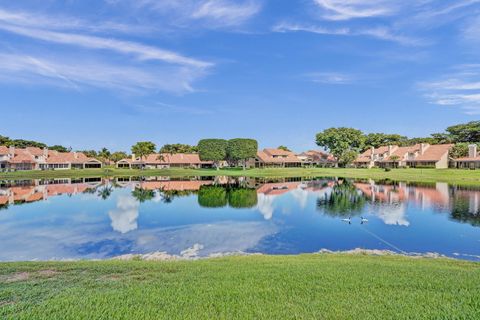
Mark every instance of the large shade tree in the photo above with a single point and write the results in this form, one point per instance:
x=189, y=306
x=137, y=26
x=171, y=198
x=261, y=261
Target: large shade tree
x=143, y=149
x=242, y=150
x=467, y=132
x=343, y=143
x=213, y=150
x=381, y=139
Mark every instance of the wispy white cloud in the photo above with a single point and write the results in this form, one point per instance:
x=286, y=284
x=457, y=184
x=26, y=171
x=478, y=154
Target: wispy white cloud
x=39, y=20
x=382, y=33
x=330, y=78
x=131, y=66
x=74, y=74
x=209, y=13
x=142, y=52
x=350, y=9
x=460, y=88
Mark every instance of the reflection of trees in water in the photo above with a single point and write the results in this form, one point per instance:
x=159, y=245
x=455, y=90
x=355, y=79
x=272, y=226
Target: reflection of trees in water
x=220, y=196
x=168, y=196
x=462, y=211
x=212, y=197
x=143, y=195
x=4, y=206
x=105, y=192
x=344, y=200
x=242, y=198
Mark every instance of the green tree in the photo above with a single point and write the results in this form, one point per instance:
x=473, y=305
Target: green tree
x=4, y=141
x=381, y=139
x=282, y=147
x=20, y=143
x=178, y=148
x=242, y=198
x=143, y=149
x=118, y=155
x=213, y=150
x=467, y=132
x=60, y=148
x=242, y=150
x=90, y=153
x=459, y=150
x=343, y=143
x=212, y=197
x=104, y=154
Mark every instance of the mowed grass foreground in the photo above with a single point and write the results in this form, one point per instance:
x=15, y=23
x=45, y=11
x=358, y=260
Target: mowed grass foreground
x=326, y=286
x=455, y=176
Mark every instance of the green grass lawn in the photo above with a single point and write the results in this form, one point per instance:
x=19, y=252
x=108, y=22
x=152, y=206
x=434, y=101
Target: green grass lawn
x=327, y=286
x=408, y=175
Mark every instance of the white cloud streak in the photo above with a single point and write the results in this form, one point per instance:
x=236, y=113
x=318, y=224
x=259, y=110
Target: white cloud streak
x=351, y=9
x=458, y=89
x=330, y=78
x=208, y=13
x=382, y=33
x=143, y=67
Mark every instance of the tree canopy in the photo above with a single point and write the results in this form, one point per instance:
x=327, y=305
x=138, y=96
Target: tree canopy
x=178, y=148
x=213, y=150
x=282, y=147
x=382, y=139
x=467, y=132
x=143, y=148
x=343, y=143
x=118, y=155
x=241, y=149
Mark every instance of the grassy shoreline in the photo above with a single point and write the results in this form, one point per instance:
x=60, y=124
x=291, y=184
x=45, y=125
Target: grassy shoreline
x=453, y=176
x=339, y=286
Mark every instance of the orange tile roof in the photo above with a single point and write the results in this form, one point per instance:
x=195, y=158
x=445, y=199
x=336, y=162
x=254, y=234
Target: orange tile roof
x=434, y=152
x=281, y=156
x=167, y=158
x=4, y=150
x=402, y=152
x=366, y=156
x=22, y=156
x=34, y=151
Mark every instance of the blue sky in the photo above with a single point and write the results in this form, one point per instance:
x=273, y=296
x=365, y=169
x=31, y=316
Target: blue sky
x=89, y=74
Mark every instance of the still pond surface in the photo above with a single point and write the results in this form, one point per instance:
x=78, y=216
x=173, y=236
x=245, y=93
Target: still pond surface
x=198, y=217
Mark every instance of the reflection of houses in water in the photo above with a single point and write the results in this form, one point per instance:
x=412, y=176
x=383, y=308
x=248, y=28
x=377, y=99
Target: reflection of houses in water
x=436, y=196
x=36, y=190
x=276, y=189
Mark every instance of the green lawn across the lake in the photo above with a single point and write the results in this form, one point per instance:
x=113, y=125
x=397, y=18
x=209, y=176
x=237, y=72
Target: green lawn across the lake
x=325, y=286
x=408, y=175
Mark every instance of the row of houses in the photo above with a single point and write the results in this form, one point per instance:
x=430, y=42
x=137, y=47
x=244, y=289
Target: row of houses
x=421, y=155
x=266, y=158
x=32, y=158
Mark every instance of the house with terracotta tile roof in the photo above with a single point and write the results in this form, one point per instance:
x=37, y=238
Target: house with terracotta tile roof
x=317, y=158
x=165, y=161
x=32, y=158
x=373, y=156
x=421, y=155
x=269, y=158
x=472, y=161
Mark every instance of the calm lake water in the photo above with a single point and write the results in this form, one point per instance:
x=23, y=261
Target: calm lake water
x=198, y=217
